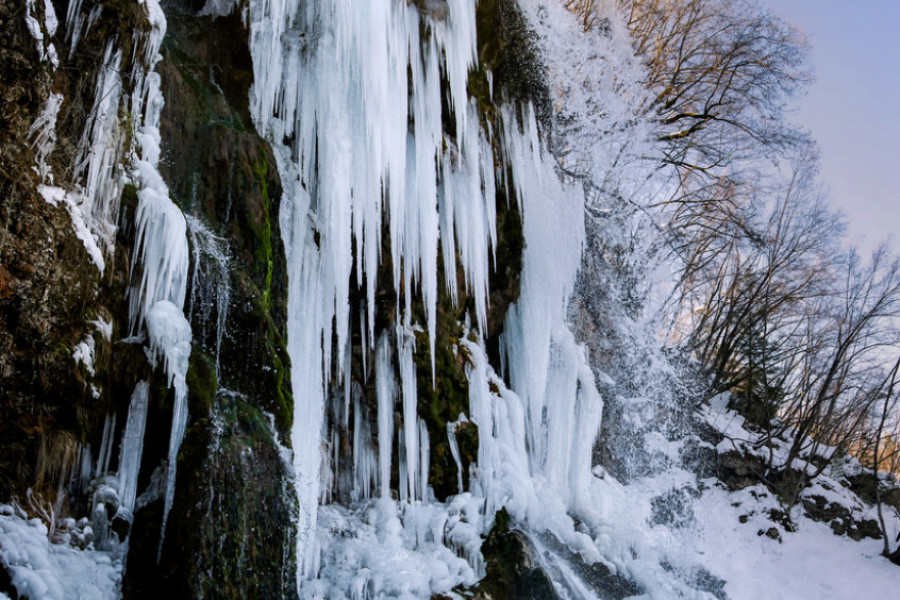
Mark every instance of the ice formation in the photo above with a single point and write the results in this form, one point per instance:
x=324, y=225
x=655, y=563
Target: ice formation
x=105, y=162
x=161, y=251
x=40, y=569
x=42, y=29
x=132, y=447
x=334, y=77
x=355, y=93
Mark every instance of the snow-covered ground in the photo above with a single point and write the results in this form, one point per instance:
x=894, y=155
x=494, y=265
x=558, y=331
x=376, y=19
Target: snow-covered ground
x=725, y=533
x=40, y=570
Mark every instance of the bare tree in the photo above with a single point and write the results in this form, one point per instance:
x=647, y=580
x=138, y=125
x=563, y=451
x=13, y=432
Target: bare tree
x=836, y=380
x=722, y=72
x=884, y=447
x=744, y=279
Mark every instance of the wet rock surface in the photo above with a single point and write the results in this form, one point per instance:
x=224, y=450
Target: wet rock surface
x=223, y=176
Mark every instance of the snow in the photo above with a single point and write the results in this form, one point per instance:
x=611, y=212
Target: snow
x=55, y=195
x=809, y=563
x=84, y=354
x=104, y=327
x=46, y=571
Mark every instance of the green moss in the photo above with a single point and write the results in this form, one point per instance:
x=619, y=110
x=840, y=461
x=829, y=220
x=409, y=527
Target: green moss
x=201, y=382
x=129, y=196
x=445, y=400
x=506, y=49
x=252, y=424
x=285, y=398
x=237, y=555
x=263, y=231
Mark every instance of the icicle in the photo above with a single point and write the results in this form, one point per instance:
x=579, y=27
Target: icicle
x=109, y=430
x=100, y=151
x=132, y=446
x=365, y=463
x=424, y=461
x=170, y=336
x=405, y=354
x=92, y=199
x=357, y=90
x=402, y=475
x=161, y=248
x=554, y=231
x=84, y=464
x=454, y=449
x=43, y=136
x=384, y=384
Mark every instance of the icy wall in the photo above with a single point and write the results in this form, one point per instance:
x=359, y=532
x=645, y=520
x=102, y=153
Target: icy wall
x=370, y=252
x=393, y=173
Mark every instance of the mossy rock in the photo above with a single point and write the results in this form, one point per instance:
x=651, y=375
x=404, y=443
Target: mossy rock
x=234, y=550
x=507, y=48
x=224, y=174
x=510, y=565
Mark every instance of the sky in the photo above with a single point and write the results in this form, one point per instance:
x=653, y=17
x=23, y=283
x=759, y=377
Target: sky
x=853, y=108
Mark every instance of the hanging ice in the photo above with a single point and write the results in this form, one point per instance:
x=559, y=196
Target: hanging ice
x=351, y=95
x=131, y=448
x=161, y=250
x=340, y=82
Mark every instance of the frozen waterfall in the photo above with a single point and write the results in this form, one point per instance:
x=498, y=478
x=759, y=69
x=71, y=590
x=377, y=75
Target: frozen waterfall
x=354, y=91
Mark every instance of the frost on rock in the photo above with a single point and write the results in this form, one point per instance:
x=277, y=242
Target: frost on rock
x=43, y=135
x=43, y=29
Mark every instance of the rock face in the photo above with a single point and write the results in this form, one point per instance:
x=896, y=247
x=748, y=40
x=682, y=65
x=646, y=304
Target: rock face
x=512, y=571
x=49, y=288
x=840, y=519
x=53, y=297
x=222, y=174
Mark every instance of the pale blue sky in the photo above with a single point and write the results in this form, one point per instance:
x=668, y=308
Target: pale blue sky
x=853, y=109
